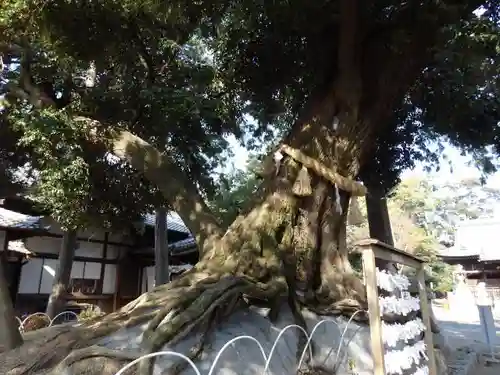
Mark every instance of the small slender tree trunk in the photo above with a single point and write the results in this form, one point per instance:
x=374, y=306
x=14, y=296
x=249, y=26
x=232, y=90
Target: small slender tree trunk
x=10, y=337
x=162, y=274
x=61, y=280
x=378, y=217
x=379, y=222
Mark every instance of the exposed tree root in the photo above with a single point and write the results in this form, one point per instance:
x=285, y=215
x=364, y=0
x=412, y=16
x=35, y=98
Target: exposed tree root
x=92, y=352
x=198, y=310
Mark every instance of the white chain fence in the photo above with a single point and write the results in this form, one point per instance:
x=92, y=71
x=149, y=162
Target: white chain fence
x=266, y=357
x=45, y=321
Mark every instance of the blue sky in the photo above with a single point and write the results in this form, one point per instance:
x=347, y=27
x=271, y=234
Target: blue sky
x=461, y=166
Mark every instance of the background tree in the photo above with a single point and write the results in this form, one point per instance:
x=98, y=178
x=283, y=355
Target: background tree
x=439, y=206
x=355, y=94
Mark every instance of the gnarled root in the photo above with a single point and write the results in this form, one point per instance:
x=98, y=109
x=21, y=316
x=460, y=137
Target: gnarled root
x=200, y=309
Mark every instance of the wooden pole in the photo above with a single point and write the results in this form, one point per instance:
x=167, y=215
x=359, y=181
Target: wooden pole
x=425, y=309
x=161, y=249
x=377, y=344
x=57, y=298
x=10, y=337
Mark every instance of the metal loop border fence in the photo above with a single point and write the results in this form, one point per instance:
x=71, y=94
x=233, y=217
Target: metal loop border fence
x=50, y=322
x=267, y=358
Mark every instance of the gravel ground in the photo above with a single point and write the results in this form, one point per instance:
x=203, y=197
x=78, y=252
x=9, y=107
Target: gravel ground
x=466, y=339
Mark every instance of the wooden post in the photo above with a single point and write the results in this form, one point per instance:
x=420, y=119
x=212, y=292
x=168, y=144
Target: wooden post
x=161, y=249
x=377, y=344
x=424, y=308
x=103, y=261
x=10, y=337
x=57, y=298
x=117, y=279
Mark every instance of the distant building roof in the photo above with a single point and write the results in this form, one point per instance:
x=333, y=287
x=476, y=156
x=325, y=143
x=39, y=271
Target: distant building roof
x=11, y=219
x=458, y=251
x=476, y=238
x=174, y=222
x=184, y=246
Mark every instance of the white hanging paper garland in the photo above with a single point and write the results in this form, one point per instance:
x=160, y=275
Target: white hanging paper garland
x=422, y=370
x=393, y=333
x=399, y=306
x=398, y=360
x=391, y=283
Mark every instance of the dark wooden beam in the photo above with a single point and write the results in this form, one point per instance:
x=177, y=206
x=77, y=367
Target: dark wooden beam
x=162, y=275
x=104, y=255
x=30, y=232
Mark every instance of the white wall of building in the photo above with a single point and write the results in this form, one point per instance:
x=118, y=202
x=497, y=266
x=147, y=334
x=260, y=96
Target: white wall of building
x=38, y=274
x=148, y=279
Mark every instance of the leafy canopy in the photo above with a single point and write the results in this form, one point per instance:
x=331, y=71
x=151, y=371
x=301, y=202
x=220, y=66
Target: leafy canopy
x=181, y=75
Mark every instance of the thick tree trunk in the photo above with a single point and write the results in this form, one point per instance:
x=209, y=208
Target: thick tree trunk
x=162, y=271
x=60, y=285
x=10, y=337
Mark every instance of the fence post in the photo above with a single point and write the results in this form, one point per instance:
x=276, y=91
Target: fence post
x=424, y=307
x=377, y=344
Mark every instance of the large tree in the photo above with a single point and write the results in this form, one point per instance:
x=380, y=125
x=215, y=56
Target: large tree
x=356, y=89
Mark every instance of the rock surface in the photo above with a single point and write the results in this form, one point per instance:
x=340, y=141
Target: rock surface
x=244, y=356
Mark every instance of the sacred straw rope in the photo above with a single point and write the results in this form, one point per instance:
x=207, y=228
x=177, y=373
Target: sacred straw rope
x=353, y=187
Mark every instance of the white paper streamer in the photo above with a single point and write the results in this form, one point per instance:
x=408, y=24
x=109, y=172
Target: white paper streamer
x=391, y=283
x=393, y=333
x=398, y=360
x=399, y=306
x=423, y=370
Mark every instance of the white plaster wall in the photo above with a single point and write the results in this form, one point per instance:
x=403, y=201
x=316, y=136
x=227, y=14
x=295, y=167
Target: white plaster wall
x=45, y=269
x=113, y=251
x=92, y=271
x=77, y=270
x=109, y=282
x=148, y=279
x=43, y=245
x=89, y=249
x=94, y=233
x=52, y=245
x=48, y=273
x=30, y=276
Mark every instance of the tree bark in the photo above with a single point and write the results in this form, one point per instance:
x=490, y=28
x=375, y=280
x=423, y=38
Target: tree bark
x=162, y=270
x=10, y=337
x=180, y=192
x=57, y=299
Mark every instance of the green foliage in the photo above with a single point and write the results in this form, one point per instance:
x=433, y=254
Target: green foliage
x=182, y=75
x=234, y=192
x=436, y=209
x=439, y=207
x=90, y=312
x=141, y=66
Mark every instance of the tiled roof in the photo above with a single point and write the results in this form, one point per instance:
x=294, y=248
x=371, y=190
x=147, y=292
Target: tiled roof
x=174, y=222
x=458, y=251
x=183, y=246
x=180, y=268
x=11, y=219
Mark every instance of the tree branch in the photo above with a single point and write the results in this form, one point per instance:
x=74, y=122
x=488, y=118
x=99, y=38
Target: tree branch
x=162, y=171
